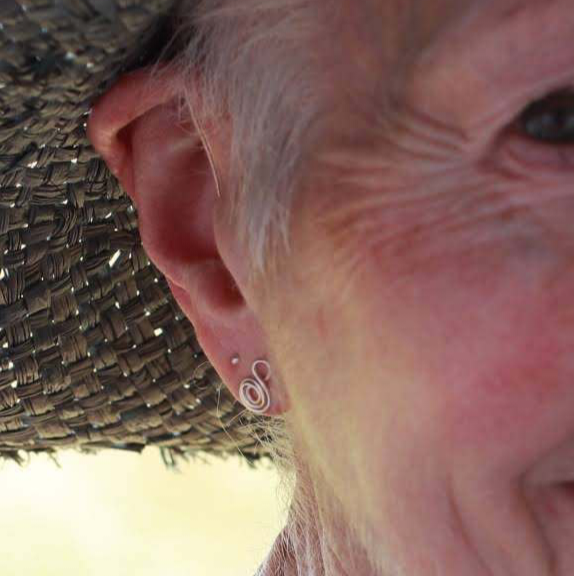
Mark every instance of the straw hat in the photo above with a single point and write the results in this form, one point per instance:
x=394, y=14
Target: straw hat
x=94, y=350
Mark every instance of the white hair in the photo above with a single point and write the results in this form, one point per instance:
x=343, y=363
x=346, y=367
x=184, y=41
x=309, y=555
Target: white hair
x=250, y=60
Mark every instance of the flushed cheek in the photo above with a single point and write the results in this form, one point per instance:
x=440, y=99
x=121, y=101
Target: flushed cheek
x=510, y=395
x=488, y=336
x=511, y=402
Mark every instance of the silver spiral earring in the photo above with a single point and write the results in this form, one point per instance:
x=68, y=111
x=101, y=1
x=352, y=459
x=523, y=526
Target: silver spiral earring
x=254, y=393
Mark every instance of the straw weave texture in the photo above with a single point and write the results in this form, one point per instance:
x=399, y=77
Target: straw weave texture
x=94, y=351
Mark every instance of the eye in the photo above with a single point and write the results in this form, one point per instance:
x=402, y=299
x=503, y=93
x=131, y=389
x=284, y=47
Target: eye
x=539, y=140
x=550, y=119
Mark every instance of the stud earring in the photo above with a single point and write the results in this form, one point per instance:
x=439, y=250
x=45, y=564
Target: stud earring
x=254, y=393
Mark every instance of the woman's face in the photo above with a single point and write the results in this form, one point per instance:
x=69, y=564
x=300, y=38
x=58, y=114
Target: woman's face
x=422, y=326
x=427, y=311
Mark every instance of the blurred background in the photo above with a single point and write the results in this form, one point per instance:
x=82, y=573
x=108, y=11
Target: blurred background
x=120, y=513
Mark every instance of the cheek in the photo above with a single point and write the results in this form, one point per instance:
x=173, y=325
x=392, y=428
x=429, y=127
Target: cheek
x=489, y=337
x=507, y=382
x=450, y=353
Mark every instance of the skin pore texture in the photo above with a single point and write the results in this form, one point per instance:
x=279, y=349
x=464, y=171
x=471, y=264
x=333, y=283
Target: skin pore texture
x=421, y=330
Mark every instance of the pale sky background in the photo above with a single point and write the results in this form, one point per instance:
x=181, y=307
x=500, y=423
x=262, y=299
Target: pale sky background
x=121, y=514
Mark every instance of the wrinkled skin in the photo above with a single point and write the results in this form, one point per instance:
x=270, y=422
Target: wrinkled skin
x=420, y=333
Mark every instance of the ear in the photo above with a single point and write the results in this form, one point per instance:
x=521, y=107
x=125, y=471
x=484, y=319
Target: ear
x=169, y=164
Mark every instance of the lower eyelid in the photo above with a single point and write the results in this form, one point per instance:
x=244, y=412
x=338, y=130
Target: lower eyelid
x=517, y=153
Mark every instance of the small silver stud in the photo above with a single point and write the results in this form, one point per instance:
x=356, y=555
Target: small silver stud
x=235, y=359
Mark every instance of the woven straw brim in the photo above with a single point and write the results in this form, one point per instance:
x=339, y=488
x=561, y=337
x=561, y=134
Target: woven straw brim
x=94, y=351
